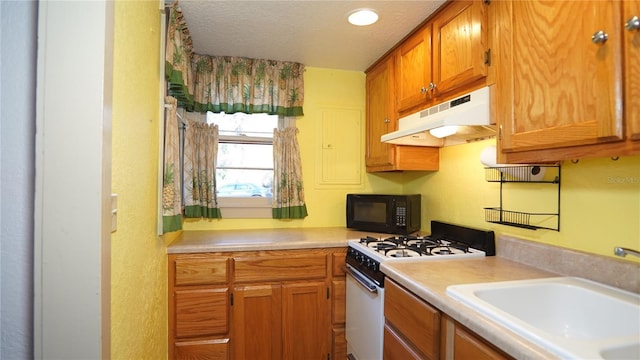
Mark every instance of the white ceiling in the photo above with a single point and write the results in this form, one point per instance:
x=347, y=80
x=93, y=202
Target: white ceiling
x=315, y=33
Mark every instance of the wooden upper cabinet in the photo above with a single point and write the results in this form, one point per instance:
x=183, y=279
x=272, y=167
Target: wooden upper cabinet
x=557, y=87
x=381, y=114
x=444, y=57
x=631, y=13
x=460, y=46
x=413, y=70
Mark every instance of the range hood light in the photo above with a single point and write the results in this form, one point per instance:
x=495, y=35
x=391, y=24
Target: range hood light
x=444, y=131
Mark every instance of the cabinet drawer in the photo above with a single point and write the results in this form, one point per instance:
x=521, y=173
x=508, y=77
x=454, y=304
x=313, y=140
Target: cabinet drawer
x=279, y=268
x=202, y=350
x=200, y=271
x=396, y=349
x=201, y=312
x=413, y=318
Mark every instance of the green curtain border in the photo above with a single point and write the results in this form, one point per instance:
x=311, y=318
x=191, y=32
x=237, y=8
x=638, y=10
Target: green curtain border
x=177, y=88
x=171, y=223
x=291, y=212
x=197, y=211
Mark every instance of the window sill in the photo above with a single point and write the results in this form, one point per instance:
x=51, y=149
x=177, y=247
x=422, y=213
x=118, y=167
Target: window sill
x=245, y=207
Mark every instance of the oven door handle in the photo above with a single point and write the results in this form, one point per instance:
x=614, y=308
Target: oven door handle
x=362, y=280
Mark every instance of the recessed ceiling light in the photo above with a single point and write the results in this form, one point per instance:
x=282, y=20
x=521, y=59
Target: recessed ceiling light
x=363, y=17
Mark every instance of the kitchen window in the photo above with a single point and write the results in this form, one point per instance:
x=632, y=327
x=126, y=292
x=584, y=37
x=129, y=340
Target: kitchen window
x=244, y=168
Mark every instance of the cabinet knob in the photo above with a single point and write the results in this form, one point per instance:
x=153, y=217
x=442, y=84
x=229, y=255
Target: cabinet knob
x=599, y=37
x=432, y=86
x=632, y=24
x=423, y=90
x=386, y=121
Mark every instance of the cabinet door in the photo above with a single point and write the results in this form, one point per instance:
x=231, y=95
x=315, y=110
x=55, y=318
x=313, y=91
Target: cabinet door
x=632, y=70
x=305, y=317
x=558, y=88
x=257, y=323
x=413, y=69
x=460, y=43
x=381, y=114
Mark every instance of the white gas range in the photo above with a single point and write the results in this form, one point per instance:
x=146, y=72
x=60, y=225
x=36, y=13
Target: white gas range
x=365, y=280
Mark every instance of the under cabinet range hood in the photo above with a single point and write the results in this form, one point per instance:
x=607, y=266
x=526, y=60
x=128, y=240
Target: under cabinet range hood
x=457, y=121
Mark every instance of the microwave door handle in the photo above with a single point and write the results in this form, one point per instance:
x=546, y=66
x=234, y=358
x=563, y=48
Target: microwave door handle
x=362, y=280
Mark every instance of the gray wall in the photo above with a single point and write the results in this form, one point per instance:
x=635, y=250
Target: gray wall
x=18, y=29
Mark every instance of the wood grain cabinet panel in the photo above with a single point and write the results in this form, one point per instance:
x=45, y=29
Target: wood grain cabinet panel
x=382, y=118
x=558, y=102
x=632, y=70
x=257, y=322
x=203, y=350
x=305, y=316
x=272, y=304
x=201, y=271
x=413, y=70
x=462, y=343
x=413, y=318
x=275, y=268
x=395, y=347
x=459, y=46
x=201, y=312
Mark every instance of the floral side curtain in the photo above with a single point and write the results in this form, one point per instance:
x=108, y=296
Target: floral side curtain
x=171, y=194
x=178, y=56
x=235, y=84
x=288, y=192
x=200, y=151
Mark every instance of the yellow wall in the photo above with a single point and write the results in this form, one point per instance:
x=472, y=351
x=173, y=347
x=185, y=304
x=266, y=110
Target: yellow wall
x=323, y=89
x=138, y=256
x=600, y=199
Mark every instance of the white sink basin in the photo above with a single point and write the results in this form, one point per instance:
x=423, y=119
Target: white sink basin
x=572, y=317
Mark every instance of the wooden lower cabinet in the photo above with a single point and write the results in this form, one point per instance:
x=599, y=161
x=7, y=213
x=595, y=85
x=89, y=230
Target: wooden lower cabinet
x=338, y=305
x=202, y=350
x=279, y=304
x=416, y=330
x=305, y=315
x=396, y=347
x=413, y=319
x=464, y=344
x=257, y=324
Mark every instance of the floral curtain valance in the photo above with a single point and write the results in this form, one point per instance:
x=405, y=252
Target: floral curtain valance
x=233, y=84
x=229, y=84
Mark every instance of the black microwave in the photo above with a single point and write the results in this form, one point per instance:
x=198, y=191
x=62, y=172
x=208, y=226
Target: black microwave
x=392, y=214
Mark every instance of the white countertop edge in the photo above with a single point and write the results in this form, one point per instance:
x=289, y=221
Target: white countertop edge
x=505, y=339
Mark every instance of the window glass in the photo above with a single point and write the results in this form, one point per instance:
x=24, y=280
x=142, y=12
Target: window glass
x=245, y=154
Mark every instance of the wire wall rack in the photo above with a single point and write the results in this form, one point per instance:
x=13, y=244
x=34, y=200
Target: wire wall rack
x=539, y=174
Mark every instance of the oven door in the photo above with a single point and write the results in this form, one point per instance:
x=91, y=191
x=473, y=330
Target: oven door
x=365, y=317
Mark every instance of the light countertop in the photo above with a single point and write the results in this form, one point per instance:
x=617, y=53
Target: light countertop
x=429, y=280
x=264, y=239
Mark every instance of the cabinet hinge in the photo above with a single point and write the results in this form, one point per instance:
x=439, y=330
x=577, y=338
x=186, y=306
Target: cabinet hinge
x=231, y=298
x=487, y=57
x=328, y=293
